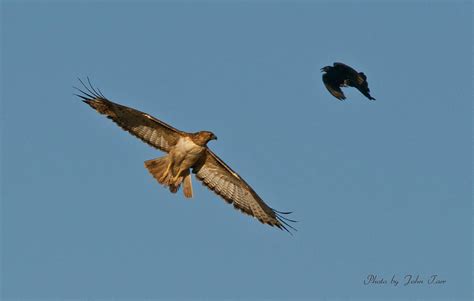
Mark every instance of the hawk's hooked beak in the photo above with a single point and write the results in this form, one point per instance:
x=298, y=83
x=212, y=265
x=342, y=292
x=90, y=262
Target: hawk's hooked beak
x=213, y=137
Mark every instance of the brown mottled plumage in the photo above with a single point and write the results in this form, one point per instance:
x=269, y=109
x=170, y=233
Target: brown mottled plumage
x=186, y=152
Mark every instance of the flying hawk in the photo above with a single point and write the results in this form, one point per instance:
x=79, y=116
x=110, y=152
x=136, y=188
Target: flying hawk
x=186, y=153
x=341, y=75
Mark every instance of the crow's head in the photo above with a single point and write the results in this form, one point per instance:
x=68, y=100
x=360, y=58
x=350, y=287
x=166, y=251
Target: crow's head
x=326, y=69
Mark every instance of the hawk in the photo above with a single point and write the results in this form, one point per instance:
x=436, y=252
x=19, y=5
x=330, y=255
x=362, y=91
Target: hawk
x=186, y=153
x=341, y=75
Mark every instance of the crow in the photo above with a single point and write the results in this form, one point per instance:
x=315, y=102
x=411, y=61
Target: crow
x=341, y=75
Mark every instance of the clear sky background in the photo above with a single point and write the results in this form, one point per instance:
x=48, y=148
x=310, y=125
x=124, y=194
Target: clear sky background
x=380, y=187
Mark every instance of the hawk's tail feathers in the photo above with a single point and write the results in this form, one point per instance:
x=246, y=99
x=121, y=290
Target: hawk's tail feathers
x=160, y=169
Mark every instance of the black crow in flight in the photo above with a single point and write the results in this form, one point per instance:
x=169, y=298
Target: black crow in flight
x=341, y=75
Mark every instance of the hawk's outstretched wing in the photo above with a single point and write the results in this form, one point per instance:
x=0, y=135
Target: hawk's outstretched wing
x=221, y=179
x=143, y=126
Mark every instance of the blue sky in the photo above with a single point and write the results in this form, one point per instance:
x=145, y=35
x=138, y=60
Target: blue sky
x=379, y=187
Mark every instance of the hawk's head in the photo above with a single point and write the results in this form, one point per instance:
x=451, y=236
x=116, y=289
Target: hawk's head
x=203, y=137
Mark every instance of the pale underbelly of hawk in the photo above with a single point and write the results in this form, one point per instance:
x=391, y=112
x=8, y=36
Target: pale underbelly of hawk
x=174, y=168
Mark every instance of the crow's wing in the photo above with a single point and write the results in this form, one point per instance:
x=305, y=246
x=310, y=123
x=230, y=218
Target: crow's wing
x=333, y=87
